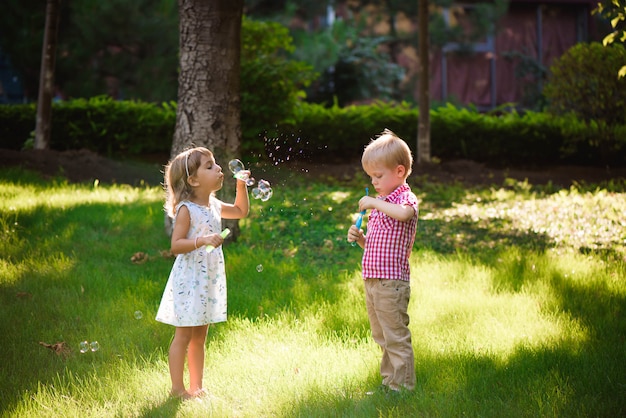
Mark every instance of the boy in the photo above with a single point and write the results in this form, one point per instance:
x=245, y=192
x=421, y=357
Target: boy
x=390, y=235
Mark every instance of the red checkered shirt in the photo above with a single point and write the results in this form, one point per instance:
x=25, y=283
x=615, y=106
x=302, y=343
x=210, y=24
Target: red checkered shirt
x=388, y=241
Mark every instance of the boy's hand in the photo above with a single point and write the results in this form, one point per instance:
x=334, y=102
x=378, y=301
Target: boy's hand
x=355, y=234
x=367, y=202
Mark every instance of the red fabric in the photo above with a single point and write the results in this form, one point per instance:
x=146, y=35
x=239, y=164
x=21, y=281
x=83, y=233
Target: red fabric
x=388, y=242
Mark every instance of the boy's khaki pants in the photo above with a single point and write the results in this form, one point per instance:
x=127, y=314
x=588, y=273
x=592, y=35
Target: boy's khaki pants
x=387, y=303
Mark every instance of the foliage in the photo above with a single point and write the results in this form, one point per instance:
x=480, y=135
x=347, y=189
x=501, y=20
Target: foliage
x=531, y=138
x=116, y=47
x=129, y=50
x=510, y=314
x=100, y=124
x=17, y=122
x=583, y=81
x=615, y=12
x=333, y=133
x=530, y=74
x=354, y=66
x=271, y=85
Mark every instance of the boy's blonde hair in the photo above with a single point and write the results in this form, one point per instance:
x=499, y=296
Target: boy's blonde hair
x=389, y=150
x=176, y=177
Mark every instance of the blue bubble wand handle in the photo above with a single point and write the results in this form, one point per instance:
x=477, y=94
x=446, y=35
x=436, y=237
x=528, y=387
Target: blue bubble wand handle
x=359, y=219
x=223, y=234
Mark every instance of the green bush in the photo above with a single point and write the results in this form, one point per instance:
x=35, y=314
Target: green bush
x=584, y=81
x=333, y=134
x=100, y=124
x=337, y=133
x=113, y=127
x=17, y=122
x=271, y=85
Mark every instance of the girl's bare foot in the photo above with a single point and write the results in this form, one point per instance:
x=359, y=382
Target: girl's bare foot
x=200, y=393
x=184, y=395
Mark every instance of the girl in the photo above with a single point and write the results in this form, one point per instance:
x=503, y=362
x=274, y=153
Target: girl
x=195, y=293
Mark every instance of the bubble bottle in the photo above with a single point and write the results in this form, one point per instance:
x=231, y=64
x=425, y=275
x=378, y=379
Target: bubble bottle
x=359, y=219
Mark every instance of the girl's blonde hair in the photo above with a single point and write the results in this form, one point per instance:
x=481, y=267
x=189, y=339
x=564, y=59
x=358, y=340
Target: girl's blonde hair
x=176, y=177
x=389, y=150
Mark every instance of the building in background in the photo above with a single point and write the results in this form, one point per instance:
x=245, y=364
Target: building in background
x=510, y=66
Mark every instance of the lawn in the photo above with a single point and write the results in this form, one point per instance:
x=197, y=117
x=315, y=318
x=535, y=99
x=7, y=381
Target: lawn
x=518, y=304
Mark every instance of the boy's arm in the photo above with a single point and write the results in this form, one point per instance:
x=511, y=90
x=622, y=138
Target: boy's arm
x=403, y=213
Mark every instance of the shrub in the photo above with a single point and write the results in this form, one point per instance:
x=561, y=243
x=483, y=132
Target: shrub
x=584, y=81
x=271, y=85
x=101, y=124
x=17, y=122
x=320, y=133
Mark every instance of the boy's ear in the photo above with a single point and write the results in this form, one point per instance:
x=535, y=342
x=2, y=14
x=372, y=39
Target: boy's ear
x=401, y=171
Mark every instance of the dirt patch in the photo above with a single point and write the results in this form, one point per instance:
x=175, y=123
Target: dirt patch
x=79, y=166
x=87, y=166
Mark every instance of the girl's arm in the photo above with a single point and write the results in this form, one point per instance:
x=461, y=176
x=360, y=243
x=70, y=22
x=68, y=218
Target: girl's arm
x=240, y=208
x=180, y=243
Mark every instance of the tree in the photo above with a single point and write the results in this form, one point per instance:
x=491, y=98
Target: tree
x=423, y=124
x=615, y=12
x=208, y=112
x=126, y=49
x=46, y=77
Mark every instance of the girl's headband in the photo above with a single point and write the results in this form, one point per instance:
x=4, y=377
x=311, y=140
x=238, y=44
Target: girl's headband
x=187, y=163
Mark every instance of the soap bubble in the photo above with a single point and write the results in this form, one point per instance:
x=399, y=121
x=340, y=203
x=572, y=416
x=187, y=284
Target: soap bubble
x=235, y=166
x=263, y=191
x=84, y=346
x=138, y=314
x=259, y=268
x=94, y=346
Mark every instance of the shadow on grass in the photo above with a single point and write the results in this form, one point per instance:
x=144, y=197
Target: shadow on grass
x=69, y=278
x=97, y=240
x=568, y=377
x=571, y=376
x=168, y=408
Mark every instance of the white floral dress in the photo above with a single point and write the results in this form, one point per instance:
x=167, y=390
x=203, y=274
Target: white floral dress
x=195, y=293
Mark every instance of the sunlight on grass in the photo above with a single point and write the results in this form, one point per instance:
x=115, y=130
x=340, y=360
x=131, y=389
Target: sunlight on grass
x=15, y=197
x=455, y=301
x=282, y=360
x=568, y=217
x=518, y=306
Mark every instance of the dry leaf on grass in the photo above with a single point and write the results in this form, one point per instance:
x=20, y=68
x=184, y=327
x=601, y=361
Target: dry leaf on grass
x=60, y=348
x=139, y=258
x=166, y=254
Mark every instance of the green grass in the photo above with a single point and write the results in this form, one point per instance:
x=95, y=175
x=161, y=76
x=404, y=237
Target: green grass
x=518, y=306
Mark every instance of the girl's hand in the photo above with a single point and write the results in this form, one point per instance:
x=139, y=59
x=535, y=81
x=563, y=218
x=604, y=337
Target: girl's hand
x=243, y=175
x=213, y=239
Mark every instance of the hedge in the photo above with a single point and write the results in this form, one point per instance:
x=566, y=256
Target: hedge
x=116, y=128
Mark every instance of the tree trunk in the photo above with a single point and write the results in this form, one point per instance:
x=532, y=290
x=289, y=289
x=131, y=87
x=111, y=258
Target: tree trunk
x=423, y=124
x=46, y=75
x=209, y=109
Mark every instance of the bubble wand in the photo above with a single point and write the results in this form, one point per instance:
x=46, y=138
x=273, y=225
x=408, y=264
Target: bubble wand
x=223, y=234
x=263, y=190
x=237, y=168
x=359, y=219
